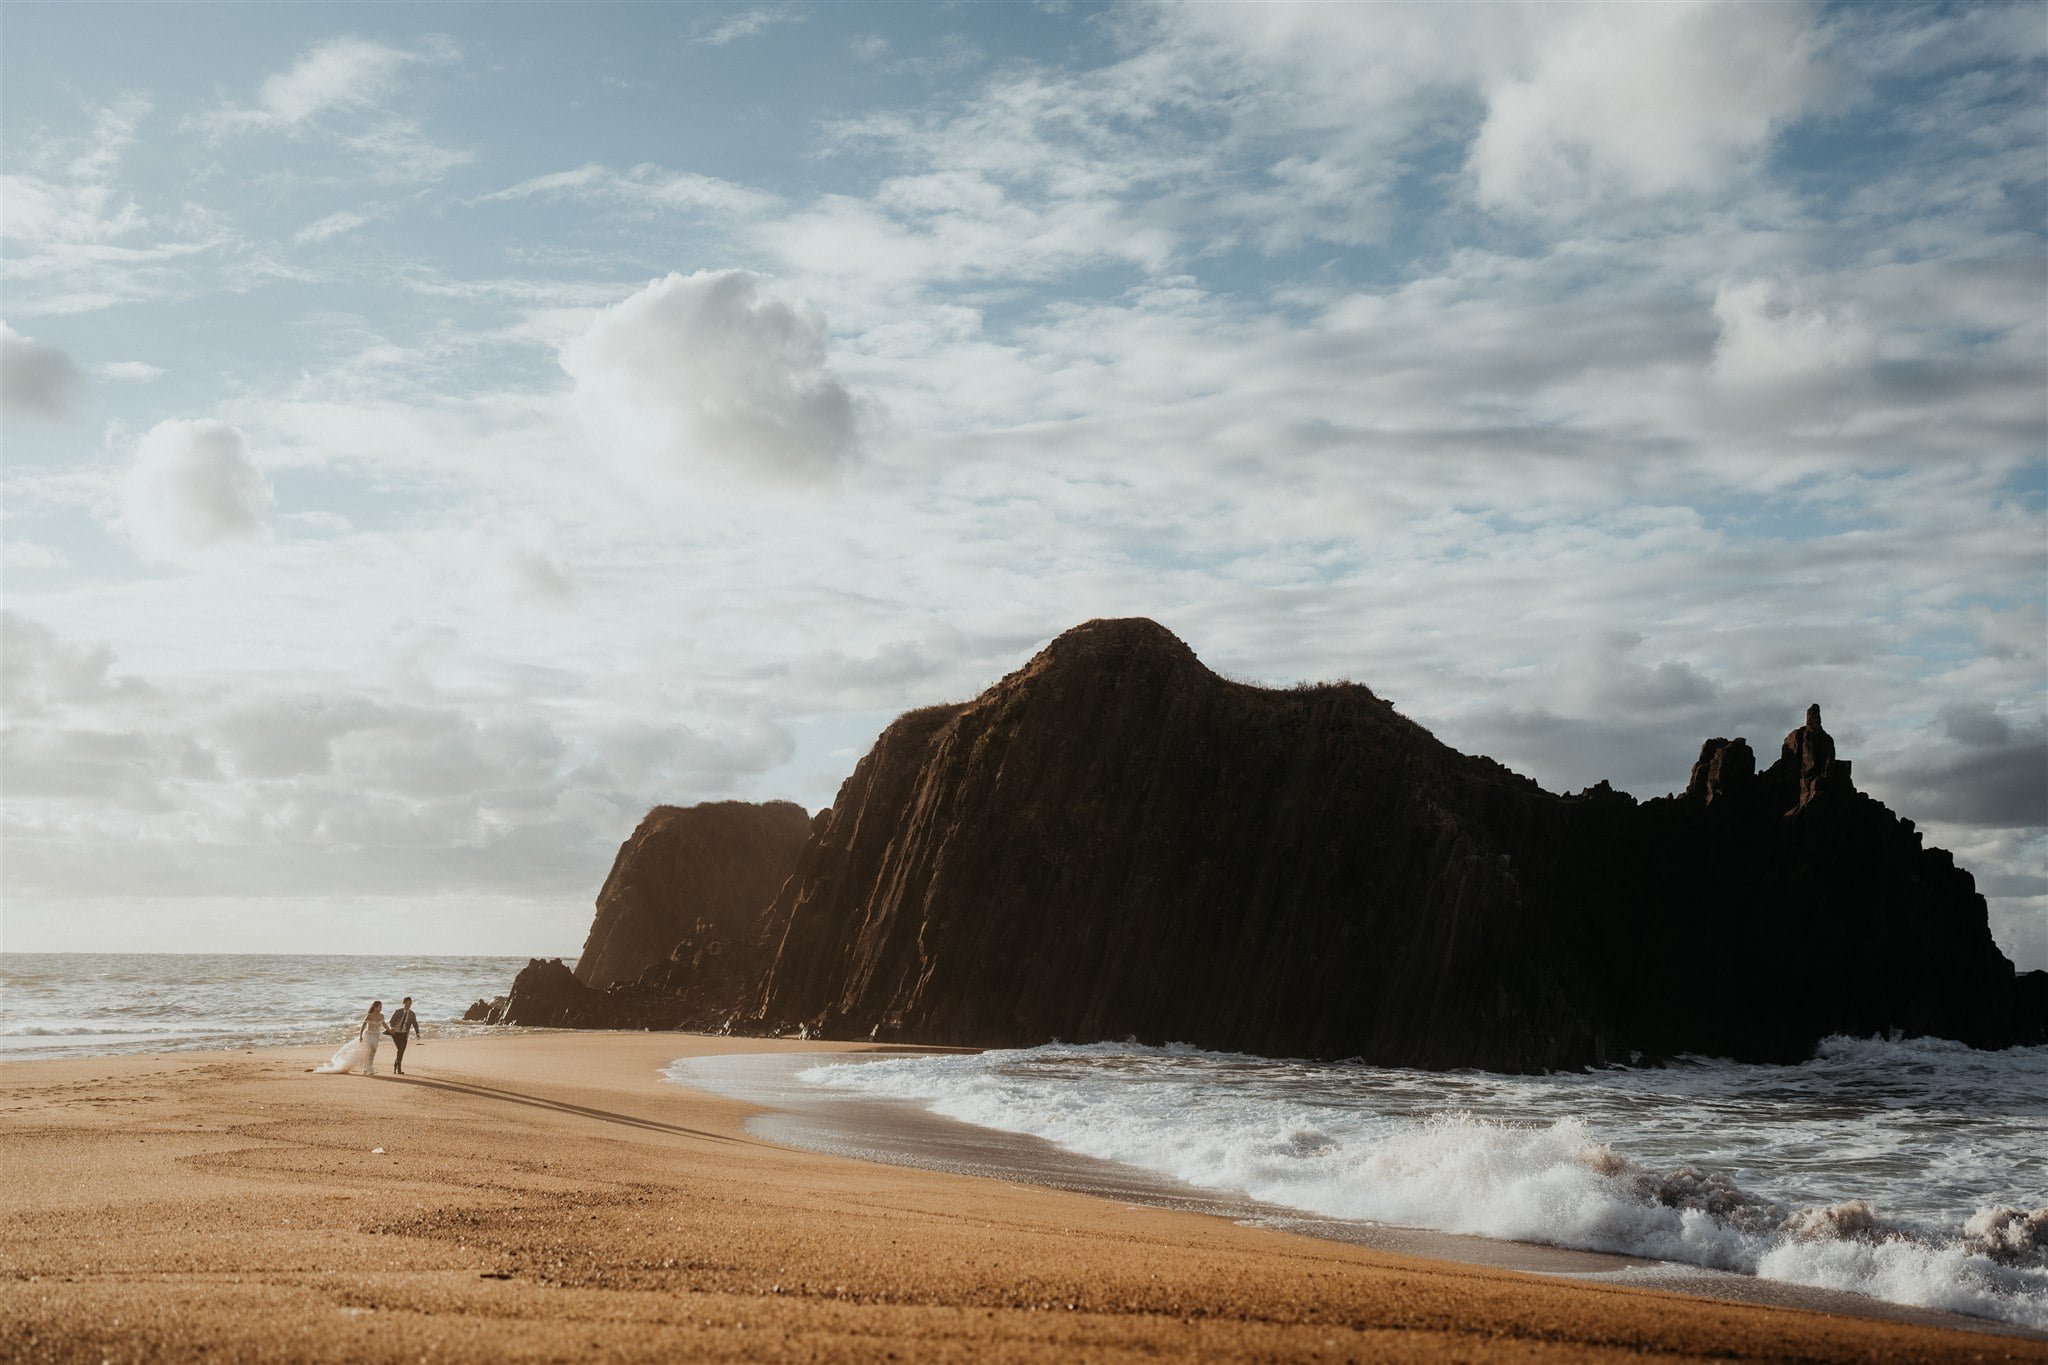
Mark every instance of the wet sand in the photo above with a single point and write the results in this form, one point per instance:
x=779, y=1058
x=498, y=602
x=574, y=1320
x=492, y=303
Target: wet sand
x=550, y=1196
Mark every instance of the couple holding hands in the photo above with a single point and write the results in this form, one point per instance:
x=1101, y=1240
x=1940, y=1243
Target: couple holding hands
x=360, y=1052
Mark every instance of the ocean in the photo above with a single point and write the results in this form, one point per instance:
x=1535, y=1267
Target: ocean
x=98, y=1004
x=1912, y=1171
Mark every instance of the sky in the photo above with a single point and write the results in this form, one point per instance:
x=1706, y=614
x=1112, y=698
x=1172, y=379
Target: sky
x=433, y=435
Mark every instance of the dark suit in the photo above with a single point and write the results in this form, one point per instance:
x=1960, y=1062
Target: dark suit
x=402, y=1025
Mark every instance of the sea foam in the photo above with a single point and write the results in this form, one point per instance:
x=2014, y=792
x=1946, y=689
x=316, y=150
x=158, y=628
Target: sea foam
x=1911, y=1172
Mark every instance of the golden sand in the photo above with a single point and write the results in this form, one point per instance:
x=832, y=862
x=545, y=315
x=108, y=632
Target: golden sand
x=549, y=1196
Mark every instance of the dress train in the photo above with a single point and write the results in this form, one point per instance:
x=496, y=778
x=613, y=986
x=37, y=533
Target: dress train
x=357, y=1054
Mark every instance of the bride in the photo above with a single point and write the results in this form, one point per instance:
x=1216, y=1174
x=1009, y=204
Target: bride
x=360, y=1052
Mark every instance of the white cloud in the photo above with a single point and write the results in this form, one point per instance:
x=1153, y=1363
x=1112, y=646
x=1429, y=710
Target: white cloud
x=76, y=239
x=644, y=187
x=926, y=663
x=65, y=190
x=85, y=277
x=640, y=760
x=339, y=89
x=341, y=73
x=395, y=152
x=1036, y=175
x=1267, y=125
x=748, y=24
x=192, y=486
x=41, y=673
x=1619, y=101
x=36, y=378
x=711, y=370
x=344, y=71
x=515, y=563
x=123, y=768
x=332, y=226
x=1778, y=344
x=1557, y=107
x=130, y=371
x=301, y=792
x=422, y=753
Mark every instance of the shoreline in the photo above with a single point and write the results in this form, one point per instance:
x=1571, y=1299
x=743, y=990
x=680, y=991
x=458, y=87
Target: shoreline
x=902, y=1133
x=550, y=1195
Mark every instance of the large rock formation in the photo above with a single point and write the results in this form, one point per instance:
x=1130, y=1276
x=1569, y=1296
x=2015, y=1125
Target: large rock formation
x=1115, y=842
x=707, y=870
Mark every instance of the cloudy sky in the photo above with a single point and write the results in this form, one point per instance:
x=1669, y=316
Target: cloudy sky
x=433, y=435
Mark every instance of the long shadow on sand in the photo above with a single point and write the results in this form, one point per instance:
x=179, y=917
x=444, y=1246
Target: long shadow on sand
x=605, y=1115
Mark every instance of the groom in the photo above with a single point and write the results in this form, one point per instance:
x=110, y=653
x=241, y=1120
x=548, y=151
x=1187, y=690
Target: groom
x=403, y=1026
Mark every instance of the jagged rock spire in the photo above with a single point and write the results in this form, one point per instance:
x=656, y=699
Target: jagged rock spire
x=1811, y=751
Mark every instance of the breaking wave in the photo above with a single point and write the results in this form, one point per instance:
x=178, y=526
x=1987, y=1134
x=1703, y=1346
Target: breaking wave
x=1912, y=1172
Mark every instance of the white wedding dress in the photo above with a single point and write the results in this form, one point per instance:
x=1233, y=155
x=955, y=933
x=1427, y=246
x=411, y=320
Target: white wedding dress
x=358, y=1053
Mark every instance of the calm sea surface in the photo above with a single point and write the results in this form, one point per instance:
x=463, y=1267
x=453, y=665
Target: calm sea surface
x=85, y=1004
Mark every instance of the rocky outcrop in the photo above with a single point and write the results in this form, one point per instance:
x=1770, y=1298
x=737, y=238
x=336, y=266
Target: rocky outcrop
x=546, y=994
x=705, y=982
x=1114, y=842
x=704, y=871
x=1724, y=765
x=1762, y=911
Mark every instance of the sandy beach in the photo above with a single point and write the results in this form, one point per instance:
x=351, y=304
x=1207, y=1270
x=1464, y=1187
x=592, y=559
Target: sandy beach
x=549, y=1196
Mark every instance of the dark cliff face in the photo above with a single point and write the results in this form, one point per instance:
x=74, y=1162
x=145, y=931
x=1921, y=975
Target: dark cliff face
x=704, y=871
x=1115, y=842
